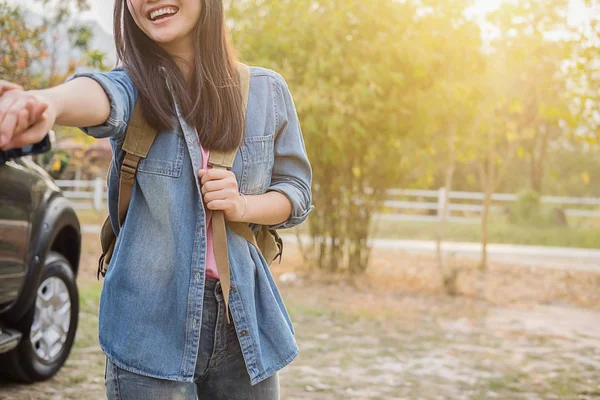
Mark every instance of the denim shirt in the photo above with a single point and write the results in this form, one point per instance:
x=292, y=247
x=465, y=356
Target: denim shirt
x=151, y=302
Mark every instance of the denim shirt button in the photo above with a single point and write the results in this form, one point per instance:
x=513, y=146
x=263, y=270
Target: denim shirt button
x=194, y=323
x=244, y=332
x=198, y=276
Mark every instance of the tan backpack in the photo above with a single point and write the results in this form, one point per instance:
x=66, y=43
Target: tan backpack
x=138, y=140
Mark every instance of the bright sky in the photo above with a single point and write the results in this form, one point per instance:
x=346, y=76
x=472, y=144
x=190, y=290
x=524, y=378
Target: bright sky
x=102, y=10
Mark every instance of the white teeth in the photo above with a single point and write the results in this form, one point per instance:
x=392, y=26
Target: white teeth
x=157, y=13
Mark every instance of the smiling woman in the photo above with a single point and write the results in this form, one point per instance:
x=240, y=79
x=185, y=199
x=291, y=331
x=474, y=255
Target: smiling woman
x=187, y=40
x=177, y=319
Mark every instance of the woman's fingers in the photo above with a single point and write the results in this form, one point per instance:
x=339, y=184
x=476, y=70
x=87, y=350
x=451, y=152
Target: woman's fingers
x=22, y=121
x=233, y=207
x=213, y=174
x=220, y=184
x=32, y=135
x=36, y=109
x=222, y=205
x=226, y=194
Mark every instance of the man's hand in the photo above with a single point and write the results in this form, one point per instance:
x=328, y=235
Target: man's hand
x=33, y=114
x=25, y=118
x=5, y=86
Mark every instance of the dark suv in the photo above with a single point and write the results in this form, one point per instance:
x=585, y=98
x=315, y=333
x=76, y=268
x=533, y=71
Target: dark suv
x=40, y=245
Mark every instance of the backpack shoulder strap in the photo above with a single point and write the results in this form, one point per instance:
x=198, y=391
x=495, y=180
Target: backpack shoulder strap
x=224, y=159
x=138, y=140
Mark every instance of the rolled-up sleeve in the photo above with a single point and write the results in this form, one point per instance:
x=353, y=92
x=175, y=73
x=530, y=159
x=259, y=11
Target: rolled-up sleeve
x=122, y=96
x=292, y=173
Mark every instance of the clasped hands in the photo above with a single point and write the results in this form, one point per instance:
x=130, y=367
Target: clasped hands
x=26, y=118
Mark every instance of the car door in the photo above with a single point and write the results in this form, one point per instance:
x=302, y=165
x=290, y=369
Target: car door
x=15, y=212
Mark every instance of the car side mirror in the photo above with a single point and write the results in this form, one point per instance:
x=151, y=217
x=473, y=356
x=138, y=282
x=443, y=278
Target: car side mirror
x=38, y=148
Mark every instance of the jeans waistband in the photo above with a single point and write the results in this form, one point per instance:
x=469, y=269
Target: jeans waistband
x=212, y=289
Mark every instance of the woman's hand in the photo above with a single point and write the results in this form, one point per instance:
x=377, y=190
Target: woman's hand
x=25, y=118
x=220, y=192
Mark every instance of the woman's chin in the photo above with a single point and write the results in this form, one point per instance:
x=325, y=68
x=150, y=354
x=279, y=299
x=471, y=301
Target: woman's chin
x=166, y=39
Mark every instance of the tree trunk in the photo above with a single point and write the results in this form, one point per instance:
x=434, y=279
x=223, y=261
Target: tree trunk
x=488, y=176
x=536, y=175
x=538, y=158
x=448, y=178
x=487, y=200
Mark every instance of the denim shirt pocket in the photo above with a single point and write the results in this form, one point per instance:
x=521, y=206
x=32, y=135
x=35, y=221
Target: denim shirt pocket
x=165, y=156
x=258, y=157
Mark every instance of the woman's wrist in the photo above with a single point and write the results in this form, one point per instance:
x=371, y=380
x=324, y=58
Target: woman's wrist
x=46, y=96
x=244, y=207
x=269, y=208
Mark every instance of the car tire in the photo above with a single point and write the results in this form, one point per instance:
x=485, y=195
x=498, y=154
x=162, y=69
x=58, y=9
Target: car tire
x=31, y=361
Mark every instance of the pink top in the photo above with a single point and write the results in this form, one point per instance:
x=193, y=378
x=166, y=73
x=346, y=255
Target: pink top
x=211, y=263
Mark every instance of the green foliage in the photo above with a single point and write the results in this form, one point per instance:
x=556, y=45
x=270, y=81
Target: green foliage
x=19, y=45
x=580, y=233
x=95, y=59
x=30, y=58
x=527, y=209
x=534, y=44
x=80, y=36
x=349, y=66
x=394, y=94
x=54, y=161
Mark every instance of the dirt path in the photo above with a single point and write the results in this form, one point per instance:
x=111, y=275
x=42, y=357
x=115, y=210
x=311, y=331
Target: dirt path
x=358, y=345
x=444, y=348
x=377, y=340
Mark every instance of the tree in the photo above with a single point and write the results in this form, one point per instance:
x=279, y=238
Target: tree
x=19, y=46
x=447, y=108
x=528, y=107
x=353, y=67
x=538, y=43
x=585, y=77
x=63, y=32
x=60, y=28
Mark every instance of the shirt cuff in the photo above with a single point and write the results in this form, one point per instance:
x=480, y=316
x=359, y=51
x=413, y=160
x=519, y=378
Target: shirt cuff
x=299, y=210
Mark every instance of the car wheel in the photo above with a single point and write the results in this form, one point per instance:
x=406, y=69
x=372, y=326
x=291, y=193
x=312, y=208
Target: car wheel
x=48, y=328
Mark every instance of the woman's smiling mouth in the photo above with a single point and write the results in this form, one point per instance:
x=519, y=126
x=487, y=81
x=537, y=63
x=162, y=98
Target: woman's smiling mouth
x=162, y=14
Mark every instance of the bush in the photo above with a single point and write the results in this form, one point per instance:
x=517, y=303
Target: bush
x=527, y=210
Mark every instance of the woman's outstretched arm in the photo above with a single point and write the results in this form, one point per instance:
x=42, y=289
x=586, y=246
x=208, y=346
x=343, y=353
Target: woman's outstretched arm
x=99, y=103
x=79, y=102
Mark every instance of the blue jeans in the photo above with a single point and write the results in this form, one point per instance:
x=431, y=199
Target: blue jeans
x=220, y=369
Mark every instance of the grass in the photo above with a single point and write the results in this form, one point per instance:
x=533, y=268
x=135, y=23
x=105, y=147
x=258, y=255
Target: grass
x=91, y=217
x=87, y=332
x=580, y=233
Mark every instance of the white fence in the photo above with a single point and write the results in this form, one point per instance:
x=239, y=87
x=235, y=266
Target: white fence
x=85, y=195
x=402, y=204
x=411, y=205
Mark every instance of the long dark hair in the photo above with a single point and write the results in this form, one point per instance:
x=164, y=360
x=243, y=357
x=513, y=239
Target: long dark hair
x=210, y=99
